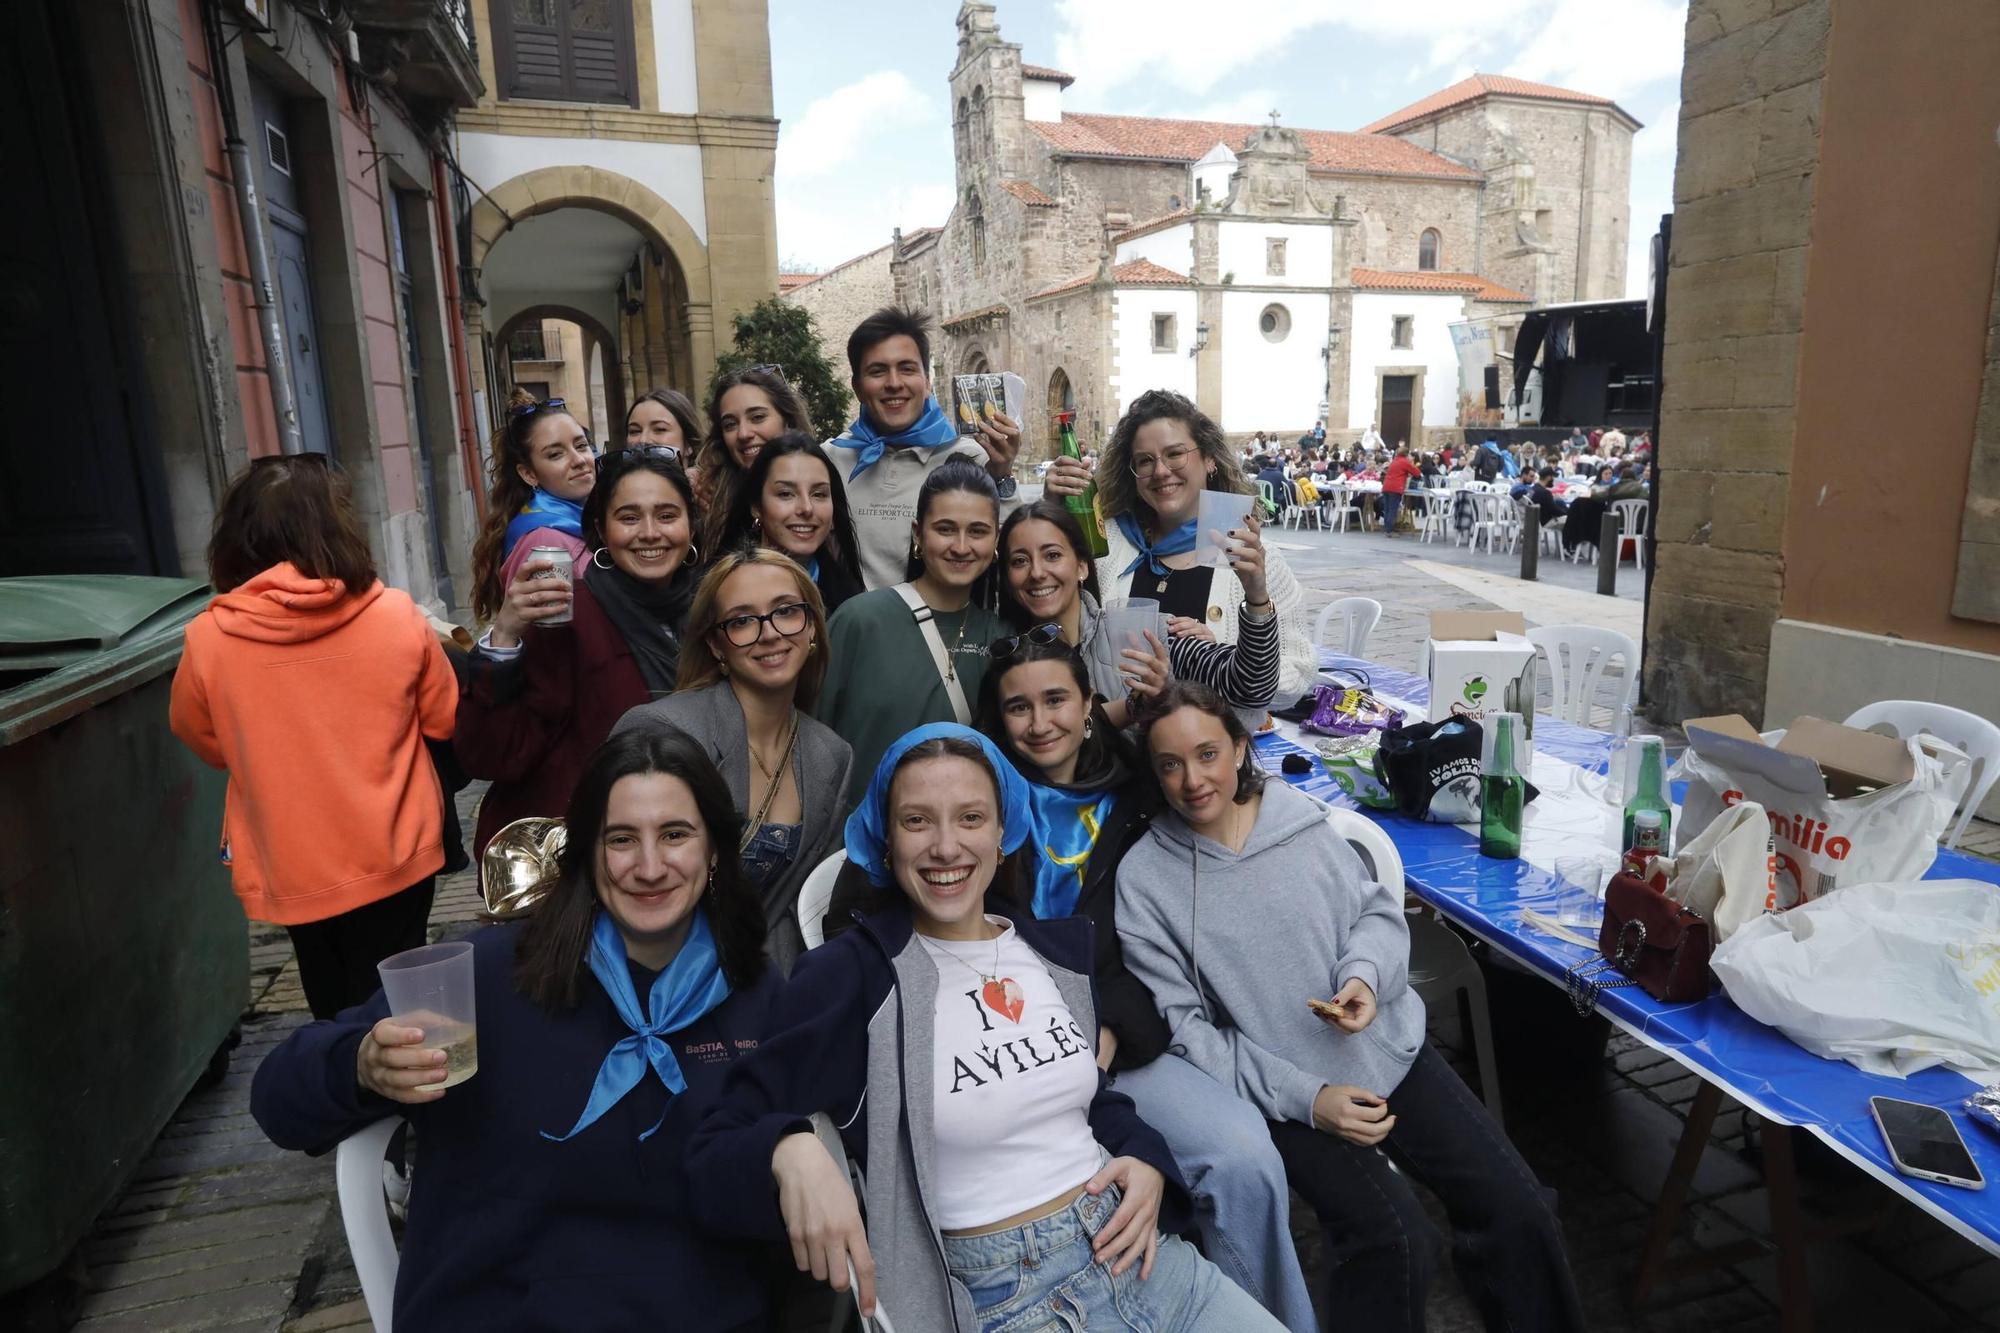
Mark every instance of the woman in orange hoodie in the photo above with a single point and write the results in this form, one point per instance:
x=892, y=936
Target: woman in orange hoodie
x=315, y=686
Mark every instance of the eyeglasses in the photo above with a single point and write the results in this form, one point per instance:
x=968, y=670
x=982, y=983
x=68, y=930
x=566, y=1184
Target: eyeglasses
x=785, y=621
x=771, y=368
x=529, y=409
x=1011, y=646
x=1145, y=465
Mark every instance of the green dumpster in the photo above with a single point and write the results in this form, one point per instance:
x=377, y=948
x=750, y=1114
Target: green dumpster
x=124, y=957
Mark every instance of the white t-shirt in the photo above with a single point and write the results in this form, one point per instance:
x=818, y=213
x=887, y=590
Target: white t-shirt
x=1015, y=1076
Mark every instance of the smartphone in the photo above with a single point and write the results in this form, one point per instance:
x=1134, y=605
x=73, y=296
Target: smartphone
x=1923, y=1142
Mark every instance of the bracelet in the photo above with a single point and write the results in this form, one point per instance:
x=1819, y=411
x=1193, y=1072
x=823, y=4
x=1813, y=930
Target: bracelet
x=1268, y=610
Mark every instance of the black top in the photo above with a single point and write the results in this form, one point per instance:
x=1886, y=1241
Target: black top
x=1182, y=592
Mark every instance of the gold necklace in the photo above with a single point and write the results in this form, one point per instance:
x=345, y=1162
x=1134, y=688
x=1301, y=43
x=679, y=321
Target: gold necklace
x=791, y=733
x=751, y=826
x=951, y=655
x=984, y=977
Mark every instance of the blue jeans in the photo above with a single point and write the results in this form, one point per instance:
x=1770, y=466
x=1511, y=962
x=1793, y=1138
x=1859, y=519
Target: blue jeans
x=1242, y=1202
x=1040, y=1278
x=1391, y=502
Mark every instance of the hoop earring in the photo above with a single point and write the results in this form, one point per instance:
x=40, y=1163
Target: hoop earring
x=693, y=555
x=600, y=551
x=1086, y=728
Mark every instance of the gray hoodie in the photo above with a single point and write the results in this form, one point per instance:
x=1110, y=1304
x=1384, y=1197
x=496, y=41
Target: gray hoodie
x=1290, y=918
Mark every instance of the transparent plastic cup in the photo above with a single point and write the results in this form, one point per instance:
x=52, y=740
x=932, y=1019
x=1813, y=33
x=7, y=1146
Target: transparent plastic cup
x=432, y=988
x=1127, y=624
x=1221, y=513
x=1580, y=890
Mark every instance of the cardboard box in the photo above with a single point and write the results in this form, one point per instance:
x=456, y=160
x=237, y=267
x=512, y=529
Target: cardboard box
x=1482, y=662
x=1846, y=806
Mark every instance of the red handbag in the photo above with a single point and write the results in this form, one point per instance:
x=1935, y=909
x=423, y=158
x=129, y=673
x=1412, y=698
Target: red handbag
x=1660, y=947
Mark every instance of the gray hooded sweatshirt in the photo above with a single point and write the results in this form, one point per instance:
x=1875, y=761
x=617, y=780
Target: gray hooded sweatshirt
x=1288, y=919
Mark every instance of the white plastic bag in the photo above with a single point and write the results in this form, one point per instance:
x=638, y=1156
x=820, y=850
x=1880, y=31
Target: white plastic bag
x=1726, y=873
x=1893, y=978
x=1883, y=836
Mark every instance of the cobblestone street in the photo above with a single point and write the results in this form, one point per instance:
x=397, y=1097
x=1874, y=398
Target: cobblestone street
x=221, y=1231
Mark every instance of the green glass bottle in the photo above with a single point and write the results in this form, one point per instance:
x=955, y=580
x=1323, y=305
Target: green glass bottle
x=1082, y=508
x=1502, y=790
x=1648, y=758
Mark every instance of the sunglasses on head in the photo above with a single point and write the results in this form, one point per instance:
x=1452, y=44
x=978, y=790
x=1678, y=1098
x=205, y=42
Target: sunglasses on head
x=771, y=368
x=1011, y=646
x=529, y=409
x=634, y=452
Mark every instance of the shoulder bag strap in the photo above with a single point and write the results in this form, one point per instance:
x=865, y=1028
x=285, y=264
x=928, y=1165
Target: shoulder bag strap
x=927, y=623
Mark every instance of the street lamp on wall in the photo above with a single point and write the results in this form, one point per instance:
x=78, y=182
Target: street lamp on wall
x=1200, y=339
x=1332, y=346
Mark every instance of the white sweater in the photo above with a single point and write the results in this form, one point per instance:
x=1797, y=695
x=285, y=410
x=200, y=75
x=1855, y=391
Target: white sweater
x=1299, y=668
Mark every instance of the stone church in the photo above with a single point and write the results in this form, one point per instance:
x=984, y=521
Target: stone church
x=1278, y=276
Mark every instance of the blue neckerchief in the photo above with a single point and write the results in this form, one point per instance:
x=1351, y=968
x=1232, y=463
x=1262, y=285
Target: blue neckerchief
x=868, y=826
x=544, y=510
x=1179, y=540
x=812, y=570
x=930, y=431
x=686, y=989
x=1066, y=827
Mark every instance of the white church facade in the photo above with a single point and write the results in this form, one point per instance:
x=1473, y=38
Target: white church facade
x=1277, y=276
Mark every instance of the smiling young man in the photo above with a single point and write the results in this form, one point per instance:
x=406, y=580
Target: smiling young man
x=900, y=435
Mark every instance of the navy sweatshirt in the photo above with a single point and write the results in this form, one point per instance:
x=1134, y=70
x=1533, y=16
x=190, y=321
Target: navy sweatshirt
x=508, y=1230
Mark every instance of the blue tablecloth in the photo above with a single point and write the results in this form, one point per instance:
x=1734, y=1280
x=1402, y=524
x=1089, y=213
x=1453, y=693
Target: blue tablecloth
x=1758, y=1065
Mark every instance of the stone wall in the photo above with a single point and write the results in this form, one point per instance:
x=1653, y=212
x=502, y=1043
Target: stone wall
x=1575, y=162
x=1749, y=145
x=1393, y=214
x=842, y=297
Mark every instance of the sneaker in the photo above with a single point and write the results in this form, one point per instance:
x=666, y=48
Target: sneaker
x=396, y=1191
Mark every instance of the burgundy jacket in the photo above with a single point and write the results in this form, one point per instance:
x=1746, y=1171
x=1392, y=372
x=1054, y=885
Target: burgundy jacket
x=531, y=723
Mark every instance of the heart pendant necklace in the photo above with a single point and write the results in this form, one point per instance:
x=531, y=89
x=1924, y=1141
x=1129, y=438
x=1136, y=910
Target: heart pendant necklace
x=1003, y=995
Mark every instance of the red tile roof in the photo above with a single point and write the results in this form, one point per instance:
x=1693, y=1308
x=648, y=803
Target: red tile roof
x=1474, y=88
x=1338, y=152
x=1457, y=284
x=973, y=316
x=1028, y=194
x=1044, y=72
x=790, y=281
x=1152, y=224
x=1132, y=273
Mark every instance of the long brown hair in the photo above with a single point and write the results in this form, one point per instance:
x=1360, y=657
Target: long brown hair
x=552, y=952
x=292, y=508
x=1193, y=694
x=717, y=462
x=1118, y=489
x=699, y=664
x=506, y=493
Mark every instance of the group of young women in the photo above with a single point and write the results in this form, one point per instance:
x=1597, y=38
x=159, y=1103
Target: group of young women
x=1059, y=1026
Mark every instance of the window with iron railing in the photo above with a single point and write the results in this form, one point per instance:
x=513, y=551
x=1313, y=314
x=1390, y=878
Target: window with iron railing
x=527, y=344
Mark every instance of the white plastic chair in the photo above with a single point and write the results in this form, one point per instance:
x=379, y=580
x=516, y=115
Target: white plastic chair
x=1441, y=967
x=1632, y=518
x=1437, y=518
x=364, y=1212
x=1338, y=494
x=814, y=897
x=1298, y=512
x=1979, y=738
x=1491, y=520
x=1357, y=620
x=1269, y=496
x=1574, y=683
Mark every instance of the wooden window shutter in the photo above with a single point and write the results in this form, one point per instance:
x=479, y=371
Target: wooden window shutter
x=566, y=50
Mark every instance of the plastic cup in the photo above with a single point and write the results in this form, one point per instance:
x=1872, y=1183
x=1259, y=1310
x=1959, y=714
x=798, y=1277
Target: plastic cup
x=432, y=988
x=1127, y=624
x=1221, y=513
x=1580, y=891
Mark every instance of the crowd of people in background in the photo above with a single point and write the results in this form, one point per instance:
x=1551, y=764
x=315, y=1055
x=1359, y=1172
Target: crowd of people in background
x=1570, y=483
x=724, y=657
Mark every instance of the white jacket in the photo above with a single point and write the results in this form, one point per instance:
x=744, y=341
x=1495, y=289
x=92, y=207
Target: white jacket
x=1300, y=669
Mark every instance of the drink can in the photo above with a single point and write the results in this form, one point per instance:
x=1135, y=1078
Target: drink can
x=564, y=568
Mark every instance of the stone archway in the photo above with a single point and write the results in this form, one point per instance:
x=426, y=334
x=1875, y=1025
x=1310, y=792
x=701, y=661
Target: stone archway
x=548, y=189
x=601, y=342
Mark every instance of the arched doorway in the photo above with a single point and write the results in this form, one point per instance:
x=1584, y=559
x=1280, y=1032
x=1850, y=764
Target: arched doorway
x=562, y=371
x=1062, y=398
x=583, y=241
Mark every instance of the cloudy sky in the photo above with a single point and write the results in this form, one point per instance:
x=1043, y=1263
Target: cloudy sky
x=866, y=138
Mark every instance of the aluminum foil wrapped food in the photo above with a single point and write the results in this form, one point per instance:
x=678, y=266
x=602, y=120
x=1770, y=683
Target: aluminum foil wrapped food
x=1984, y=1107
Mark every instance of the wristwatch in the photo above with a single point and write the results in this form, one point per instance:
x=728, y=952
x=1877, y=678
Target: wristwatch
x=1007, y=487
